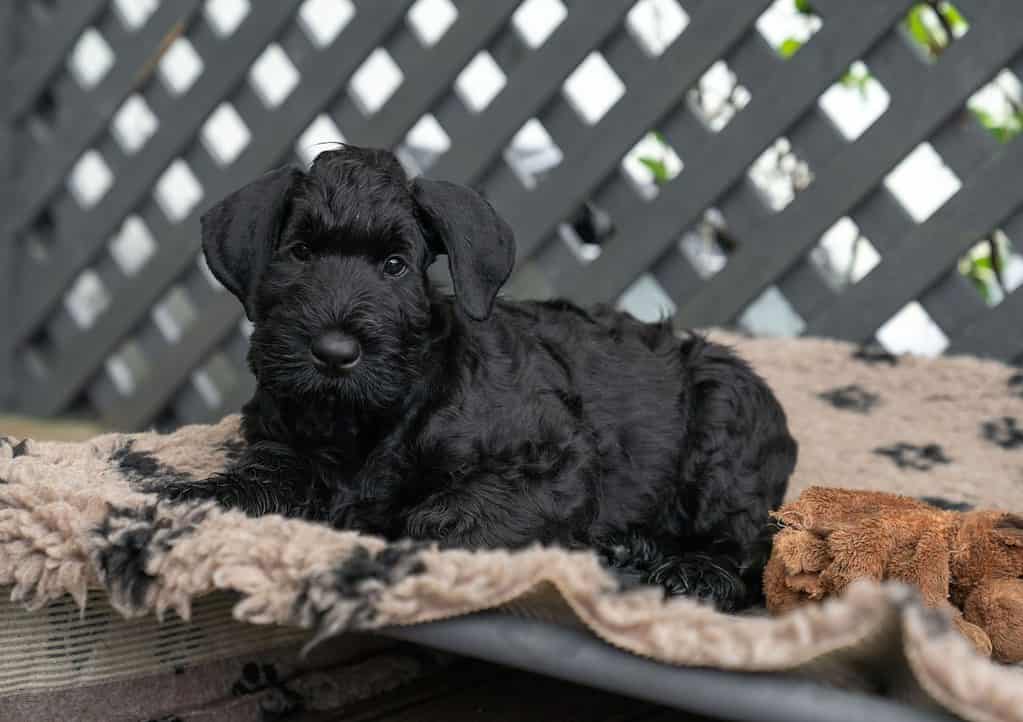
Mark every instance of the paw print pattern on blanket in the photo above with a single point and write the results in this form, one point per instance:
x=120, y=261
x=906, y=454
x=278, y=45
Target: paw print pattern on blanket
x=911, y=456
x=1004, y=432
x=1016, y=384
x=851, y=398
x=875, y=353
x=278, y=701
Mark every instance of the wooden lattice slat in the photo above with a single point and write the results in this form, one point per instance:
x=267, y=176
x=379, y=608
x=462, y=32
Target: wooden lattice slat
x=917, y=109
x=44, y=51
x=86, y=230
x=929, y=249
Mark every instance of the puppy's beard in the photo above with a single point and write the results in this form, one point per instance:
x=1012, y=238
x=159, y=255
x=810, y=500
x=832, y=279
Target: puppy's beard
x=377, y=383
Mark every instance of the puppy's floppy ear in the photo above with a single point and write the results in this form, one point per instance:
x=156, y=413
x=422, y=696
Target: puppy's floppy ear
x=479, y=244
x=239, y=234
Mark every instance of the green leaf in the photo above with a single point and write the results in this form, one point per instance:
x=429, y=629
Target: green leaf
x=656, y=167
x=954, y=18
x=917, y=28
x=804, y=7
x=1002, y=130
x=856, y=81
x=789, y=47
x=983, y=289
x=984, y=262
x=985, y=118
x=921, y=33
x=976, y=276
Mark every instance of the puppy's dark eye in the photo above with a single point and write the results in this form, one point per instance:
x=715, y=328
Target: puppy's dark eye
x=300, y=252
x=395, y=266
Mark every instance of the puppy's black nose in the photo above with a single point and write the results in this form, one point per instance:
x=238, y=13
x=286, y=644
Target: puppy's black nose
x=337, y=349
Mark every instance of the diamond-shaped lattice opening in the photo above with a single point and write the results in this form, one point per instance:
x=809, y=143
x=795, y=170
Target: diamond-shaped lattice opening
x=646, y=301
x=133, y=246
x=586, y=230
x=651, y=163
x=655, y=24
x=207, y=388
x=216, y=377
x=998, y=106
x=39, y=238
x=922, y=182
x=180, y=66
x=91, y=59
x=224, y=16
x=86, y=299
x=993, y=267
x=593, y=88
x=1013, y=265
x=787, y=24
x=708, y=244
x=843, y=255
x=855, y=102
x=322, y=134
x=225, y=134
x=90, y=179
x=44, y=113
x=480, y=81
x=535, y=20
x=932, y=28
x=323, y=20
x=273, y=75
x=771, y=314
x=177, y=191
x=35, y=356
x=779, y=174
x=174, y=314
x=718, y=96
x=430, y=19
x=912, y=330
x=127, y=367
x=375, y=81
x=424, y=144
x=133, y=14
x=532, y=153
x=134, y=124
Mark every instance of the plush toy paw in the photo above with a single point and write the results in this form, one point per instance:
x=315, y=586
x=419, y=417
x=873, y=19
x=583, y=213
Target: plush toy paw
x=792, y=576
x=997, y=606
x=802, y=552
x=831, y=538
x=977, y=636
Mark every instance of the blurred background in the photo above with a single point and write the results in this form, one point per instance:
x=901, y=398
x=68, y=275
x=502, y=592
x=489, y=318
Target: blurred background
x=785, y=167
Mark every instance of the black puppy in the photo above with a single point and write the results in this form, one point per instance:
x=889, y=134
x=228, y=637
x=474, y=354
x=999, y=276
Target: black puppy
x=384, y=407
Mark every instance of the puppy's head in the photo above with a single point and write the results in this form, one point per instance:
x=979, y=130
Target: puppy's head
x=330, y=265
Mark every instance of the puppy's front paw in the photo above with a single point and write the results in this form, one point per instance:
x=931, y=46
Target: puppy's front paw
x=701, y=576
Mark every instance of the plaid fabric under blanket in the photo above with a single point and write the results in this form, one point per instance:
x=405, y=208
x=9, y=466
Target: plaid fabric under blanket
x=89, y=563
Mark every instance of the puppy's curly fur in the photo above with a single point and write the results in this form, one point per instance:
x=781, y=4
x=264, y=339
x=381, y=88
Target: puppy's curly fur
x=473, y=421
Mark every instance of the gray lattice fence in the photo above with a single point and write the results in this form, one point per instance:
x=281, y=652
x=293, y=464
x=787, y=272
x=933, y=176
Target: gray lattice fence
x=185, y=101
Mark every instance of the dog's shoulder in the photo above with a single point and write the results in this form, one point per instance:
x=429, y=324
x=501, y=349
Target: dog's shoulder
x=594, y=324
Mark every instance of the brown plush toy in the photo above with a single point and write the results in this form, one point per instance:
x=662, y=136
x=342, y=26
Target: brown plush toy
x=970, y=563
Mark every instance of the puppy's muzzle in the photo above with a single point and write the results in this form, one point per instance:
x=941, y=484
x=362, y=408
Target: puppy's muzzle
x=336, y=351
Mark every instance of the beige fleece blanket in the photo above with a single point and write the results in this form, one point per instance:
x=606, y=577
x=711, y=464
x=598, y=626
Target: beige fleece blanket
x=72, y=523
